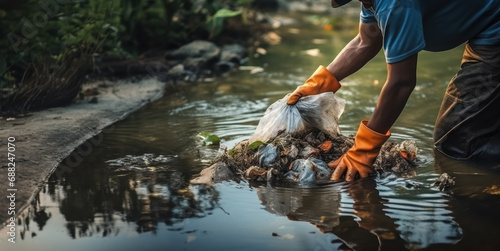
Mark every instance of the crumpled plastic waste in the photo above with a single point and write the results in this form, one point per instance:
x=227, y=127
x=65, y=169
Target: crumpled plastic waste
x=320, y=111
x=308, y=170
x=268, y=155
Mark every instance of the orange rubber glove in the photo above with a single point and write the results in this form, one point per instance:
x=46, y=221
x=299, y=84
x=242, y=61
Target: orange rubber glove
x=359, y=159
x=320, y=81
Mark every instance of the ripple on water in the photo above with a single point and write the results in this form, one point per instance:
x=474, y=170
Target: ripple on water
x=146, y=162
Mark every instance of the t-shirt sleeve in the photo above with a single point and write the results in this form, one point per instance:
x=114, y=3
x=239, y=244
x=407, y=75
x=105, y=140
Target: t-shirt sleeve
x=366, y=16
x=403, y=33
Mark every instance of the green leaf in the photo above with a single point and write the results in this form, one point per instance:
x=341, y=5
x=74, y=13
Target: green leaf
x=214, y=26
x=255, y=145
x=223, y=13
x=210, y=139
x=215, y=23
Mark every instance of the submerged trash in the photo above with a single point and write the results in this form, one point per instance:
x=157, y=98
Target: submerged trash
x=295, y=143
x=255, y=172
x=445, y=182
x=308, y=170
x=305, y=159
x=268, y=155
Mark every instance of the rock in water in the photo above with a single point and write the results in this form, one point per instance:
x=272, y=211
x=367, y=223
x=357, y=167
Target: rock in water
x=195, y=55
x=230, y=57
x=216, y=173
x=196, y=49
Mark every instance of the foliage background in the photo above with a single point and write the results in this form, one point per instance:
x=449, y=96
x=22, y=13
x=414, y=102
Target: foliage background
x=42, y=36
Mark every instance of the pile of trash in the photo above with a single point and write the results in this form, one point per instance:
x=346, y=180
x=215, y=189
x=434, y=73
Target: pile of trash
x=295, y=143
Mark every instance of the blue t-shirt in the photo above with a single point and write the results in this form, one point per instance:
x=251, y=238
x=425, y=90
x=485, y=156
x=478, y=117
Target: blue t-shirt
x=409, y=26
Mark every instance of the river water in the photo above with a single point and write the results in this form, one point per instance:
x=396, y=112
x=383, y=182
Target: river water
x=133, y=192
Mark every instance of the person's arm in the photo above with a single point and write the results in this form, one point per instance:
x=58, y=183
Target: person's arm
x=372, y=135
x=358, y=52
x=354, y=55
x=401, y=80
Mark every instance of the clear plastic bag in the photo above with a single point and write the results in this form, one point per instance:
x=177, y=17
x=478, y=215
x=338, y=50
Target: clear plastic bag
x=268, y=155
x=320, y=111
x=308, y=170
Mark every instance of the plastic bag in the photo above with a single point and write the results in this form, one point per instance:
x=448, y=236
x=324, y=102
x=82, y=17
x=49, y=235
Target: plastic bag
x=308, y=170
x=268, y=155
x=320, y=111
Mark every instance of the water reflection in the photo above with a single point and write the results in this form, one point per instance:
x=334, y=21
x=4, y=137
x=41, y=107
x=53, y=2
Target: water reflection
x=474, y=202
x=387, y=213
x=366, y=214
x=36, y=213
x=319, y=206
x=92, y=202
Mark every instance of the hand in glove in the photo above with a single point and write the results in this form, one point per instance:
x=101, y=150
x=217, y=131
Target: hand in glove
x=320, y=81
x=359, y=159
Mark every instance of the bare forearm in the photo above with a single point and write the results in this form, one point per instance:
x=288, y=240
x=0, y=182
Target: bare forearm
x=354, y=56
x=390, y=104
x=358, y=52
x=400, y=83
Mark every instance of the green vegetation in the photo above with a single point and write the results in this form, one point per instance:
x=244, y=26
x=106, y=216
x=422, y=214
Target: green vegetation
x=210, y=139
x=48, y=46
x=255, y=145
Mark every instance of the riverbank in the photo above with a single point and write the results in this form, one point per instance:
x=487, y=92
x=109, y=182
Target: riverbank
x=44, y=139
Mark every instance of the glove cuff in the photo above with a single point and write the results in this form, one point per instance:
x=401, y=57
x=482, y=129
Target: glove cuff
x=330, y=82
x=369, y=139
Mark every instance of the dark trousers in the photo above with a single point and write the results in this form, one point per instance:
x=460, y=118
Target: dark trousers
x=468, y=123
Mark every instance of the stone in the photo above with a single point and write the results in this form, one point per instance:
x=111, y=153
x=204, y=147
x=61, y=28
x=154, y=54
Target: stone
x=230, y=57
x=216, y=173
x=196, y=49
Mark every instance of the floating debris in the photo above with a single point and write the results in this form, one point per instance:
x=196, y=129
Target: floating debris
x=493, y=190
x=146, y=162
x=445, y=182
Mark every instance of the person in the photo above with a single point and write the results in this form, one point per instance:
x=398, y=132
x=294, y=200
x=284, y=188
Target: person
x=468, y=123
